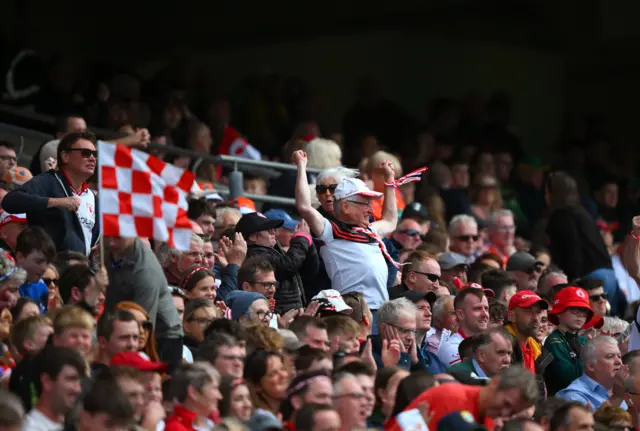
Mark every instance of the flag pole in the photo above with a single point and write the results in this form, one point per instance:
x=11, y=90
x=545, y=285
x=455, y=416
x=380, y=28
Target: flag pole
x=101, y=237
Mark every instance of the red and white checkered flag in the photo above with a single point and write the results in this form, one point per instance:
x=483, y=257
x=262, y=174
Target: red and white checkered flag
x=142, y=196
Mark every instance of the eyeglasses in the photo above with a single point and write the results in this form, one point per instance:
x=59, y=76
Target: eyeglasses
x=403, y=331
x=202, y=321
x=195, y=254
x=266, y=284
x=147, y=324
x=264, y=315
x=410, y=232
x=432, y=277
x=85, y=152
x=9, y=158
x=353, y=395
x=602, y=296
x=364, y=204
x=49, y=281
x=468, y=237
x=322, y=189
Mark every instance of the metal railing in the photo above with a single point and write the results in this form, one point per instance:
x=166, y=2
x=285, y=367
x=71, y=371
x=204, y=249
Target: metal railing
x=30, y=138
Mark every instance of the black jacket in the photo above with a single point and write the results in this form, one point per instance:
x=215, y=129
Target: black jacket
x=32, y=198
x=290, y=292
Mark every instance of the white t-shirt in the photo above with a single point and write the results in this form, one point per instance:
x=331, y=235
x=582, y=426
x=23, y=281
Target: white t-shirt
x=355, y=267
x=87, y=216
x=448, y=350
x=36, y=421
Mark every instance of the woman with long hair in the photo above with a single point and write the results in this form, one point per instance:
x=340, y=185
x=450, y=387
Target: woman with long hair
x=268, y=380
x=236, y=399
x=147, y=332
x=199, y=282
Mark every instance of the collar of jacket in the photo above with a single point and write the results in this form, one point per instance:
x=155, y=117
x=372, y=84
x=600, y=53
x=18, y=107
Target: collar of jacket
x=533, y=343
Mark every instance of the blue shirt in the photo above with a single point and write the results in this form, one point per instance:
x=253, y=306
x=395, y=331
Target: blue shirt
x=587, y=391
x=37, y=291
x=479, y=371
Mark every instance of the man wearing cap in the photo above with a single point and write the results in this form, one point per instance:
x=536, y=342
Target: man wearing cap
x=421, y=273
x=453, y=265
x=524, y=316
x=11, y=225
x=354, y=255
x=285, y=232
x=571, y=312
x=260, y=234
x=418, y=212
x=525, y=270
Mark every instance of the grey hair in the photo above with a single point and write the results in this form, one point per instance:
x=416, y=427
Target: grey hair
x=460, y=219
x=338, y=173
x=340, y=377
x=323, y=153
x=543, y=279
x=392, y=310
x=613, y=325
x=196, y=375
x=484, y=339
x=198, y=240
x=518, y=377
x=166, y=252
x=220, y=212
x=11, y=410
x=437, y=309
x=494, y=216
x=589, y=351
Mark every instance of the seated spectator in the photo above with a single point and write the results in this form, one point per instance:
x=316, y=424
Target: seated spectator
x=25, y=307
x=421, y=273
x=249, y=308
x=366, y=377
x=68, y=258
x=343, y=334
x=598, y=298
x=34, y=251
x=52, y=199
x=497, y=313
x=265, y=338
x=410, y=388
x=73, y=328
x=548, y=280
x=349, y=401
x=602, y=362
x=148, y=347
x=616, y=418
x=196, y=388
x=312, y=332
x=8, y=157
x=316, y=417
x=524, y=316
x=226, y=353
x=175, y=262
x=226, y=217
x=236, y=399
x=511, y=391
x=463, y=232
x=491, y=353
x=199, y=282
x=408, y=234
x=11, y=412
x=503, y=286
x=572, y=414
x=424, y=316
x=117, y=332
x=11, y=226
x=79, y=285
x=360, y=312
x=309, y=359
x=198, y=314
x=453, y=265
x=502, y=234
x=309, y=388
x=257, y=275
x=444, y=321
x=268, y=380
x=147, y=413
x=200, y=212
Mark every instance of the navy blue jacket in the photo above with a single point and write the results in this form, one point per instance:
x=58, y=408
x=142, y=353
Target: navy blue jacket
x=63, y=226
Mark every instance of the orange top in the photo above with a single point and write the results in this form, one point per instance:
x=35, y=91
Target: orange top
x=378, y=203
x=445, y=399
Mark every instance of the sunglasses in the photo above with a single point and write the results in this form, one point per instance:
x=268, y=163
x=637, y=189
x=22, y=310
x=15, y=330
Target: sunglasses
x=595, y=298
x=432, y=277
x=85, y=152
x=410, y=232
x=322, y=189
x=468, y=237
x=147, y=324
x=49, y=281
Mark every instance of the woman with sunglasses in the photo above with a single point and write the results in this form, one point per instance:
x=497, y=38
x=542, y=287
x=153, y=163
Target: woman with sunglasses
x=147, y=333
x=51, y=279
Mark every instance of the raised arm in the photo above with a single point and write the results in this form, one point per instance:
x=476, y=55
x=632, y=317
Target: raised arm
x=387, y=224
x=303, y=196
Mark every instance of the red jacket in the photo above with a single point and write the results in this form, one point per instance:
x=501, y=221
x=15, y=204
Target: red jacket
x=181, y=420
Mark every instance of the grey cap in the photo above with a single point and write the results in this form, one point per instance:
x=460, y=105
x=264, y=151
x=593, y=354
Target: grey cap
x=450, y=260
x=522, y=261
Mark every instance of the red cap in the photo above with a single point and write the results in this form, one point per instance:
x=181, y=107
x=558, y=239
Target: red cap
x=526, y=299
x=490, y=293
x=570, y=297
x=137, y=361
x=595, y=322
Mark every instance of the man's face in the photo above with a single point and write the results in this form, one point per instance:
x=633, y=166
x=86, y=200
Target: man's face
x=64, y=390
x=582, y=420
x=368, y=388
x=496, y=356
x=9, y=294
x=199, y=321
x=450, y=318
x=8, y=159
x=326, y=420
x=230, y=360
x=265, y=284
x=465, y=241
x=425, y=278
x=503, y=233
x=209, y=256
x=10, y=232
x=356, y=210
x=350, y=404
x=408, y=234
x=406, y=328
x=192, y=257
x=526, y=280
x=474, y=314
x=100, y=422
x=608, y=362
x=265, y=238
x=423, y=318
x=125, y=338
x=207, y=223
x=527, y=320
x=506, y=294
x=610, y=195
x=459, y=271
x=550, y=281
x=319, y=392
x=79, y=339
x=81, y=158
x=255, y=186
x=35, y=263
x=598, y=301
x=317, y=338
x=135, y=392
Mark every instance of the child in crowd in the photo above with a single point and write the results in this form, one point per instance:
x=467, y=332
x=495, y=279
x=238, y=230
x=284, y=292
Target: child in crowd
x=571, y=311
x=34, y=251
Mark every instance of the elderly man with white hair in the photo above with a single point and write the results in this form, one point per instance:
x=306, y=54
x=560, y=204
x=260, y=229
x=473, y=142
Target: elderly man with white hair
x=353, y=252
x=463, y=232
x=603, y=378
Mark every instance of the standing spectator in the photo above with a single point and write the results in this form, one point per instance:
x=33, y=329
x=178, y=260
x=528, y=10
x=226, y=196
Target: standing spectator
x=59, y=371
x=34, y=251
x=463, y=232
x=354, y=255
x=60, y=201
x=472, y=309
x=135, y=275
x=259, y=232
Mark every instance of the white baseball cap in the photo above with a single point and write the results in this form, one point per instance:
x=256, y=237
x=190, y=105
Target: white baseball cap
x=352, y=186
x=6, y=218
x=334, y=298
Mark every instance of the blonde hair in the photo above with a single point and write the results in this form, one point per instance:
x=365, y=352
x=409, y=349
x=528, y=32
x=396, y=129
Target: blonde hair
x=323, y=153
x=71, y=316
x=25, y=330
x=381, y=156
